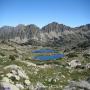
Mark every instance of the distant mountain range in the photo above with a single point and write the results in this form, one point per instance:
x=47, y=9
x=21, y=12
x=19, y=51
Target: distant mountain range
x=53, y=34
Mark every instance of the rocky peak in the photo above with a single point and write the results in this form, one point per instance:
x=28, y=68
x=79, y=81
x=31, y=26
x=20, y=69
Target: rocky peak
x=32, y=28
x=54, y=26
x=84, y=27
x=6, y=28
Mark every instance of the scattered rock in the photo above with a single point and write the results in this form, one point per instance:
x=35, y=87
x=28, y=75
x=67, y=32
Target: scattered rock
x=39, y=86
x=82, y=85
x=29, y=63
x=20, y=86
x=27, y=82
x=9, y=75
x=31, y=87
x=14, y=72
x=88, y=79
x=74, y=63
x=17, y=77
x=5, y=79
x=22, y=74
x=17, y=70
x=45, y=66
x=7, y=86
x=88, y=66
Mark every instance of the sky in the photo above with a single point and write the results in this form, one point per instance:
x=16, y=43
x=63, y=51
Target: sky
x=41, y=12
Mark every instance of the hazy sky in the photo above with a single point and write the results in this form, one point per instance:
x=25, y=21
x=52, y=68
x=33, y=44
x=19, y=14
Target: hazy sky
x=42, y=12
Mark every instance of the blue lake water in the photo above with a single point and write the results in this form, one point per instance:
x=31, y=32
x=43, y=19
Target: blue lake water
x=43, y=51
x=51, y=57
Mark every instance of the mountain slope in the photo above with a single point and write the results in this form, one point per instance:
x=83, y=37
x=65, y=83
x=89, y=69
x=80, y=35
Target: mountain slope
x=53, y=34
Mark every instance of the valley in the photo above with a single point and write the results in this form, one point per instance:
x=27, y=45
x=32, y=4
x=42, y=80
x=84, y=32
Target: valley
x=24, y=73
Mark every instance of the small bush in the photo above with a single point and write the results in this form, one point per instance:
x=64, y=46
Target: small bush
x=2, y=54
x=86, y=55
x=70, y=55
x=12, y=57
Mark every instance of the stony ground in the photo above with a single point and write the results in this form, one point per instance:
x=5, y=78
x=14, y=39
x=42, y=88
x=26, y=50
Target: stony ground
x=21, y=72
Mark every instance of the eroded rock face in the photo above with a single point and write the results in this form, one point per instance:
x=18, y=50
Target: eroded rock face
x=53, y=34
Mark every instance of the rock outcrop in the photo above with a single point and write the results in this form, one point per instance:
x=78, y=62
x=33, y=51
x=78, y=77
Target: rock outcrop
x=82, y=85
x=7, y=86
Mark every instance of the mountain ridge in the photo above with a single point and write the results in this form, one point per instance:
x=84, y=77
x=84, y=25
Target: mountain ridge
x=44, y=25
x=52, y=34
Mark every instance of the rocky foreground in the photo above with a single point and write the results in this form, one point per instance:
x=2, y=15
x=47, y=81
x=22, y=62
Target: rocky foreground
x=19, y=72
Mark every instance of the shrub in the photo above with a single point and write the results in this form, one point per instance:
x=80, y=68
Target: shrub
x=2, y=54
x=12, y=57
x=70, y=55
x=86, y=55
